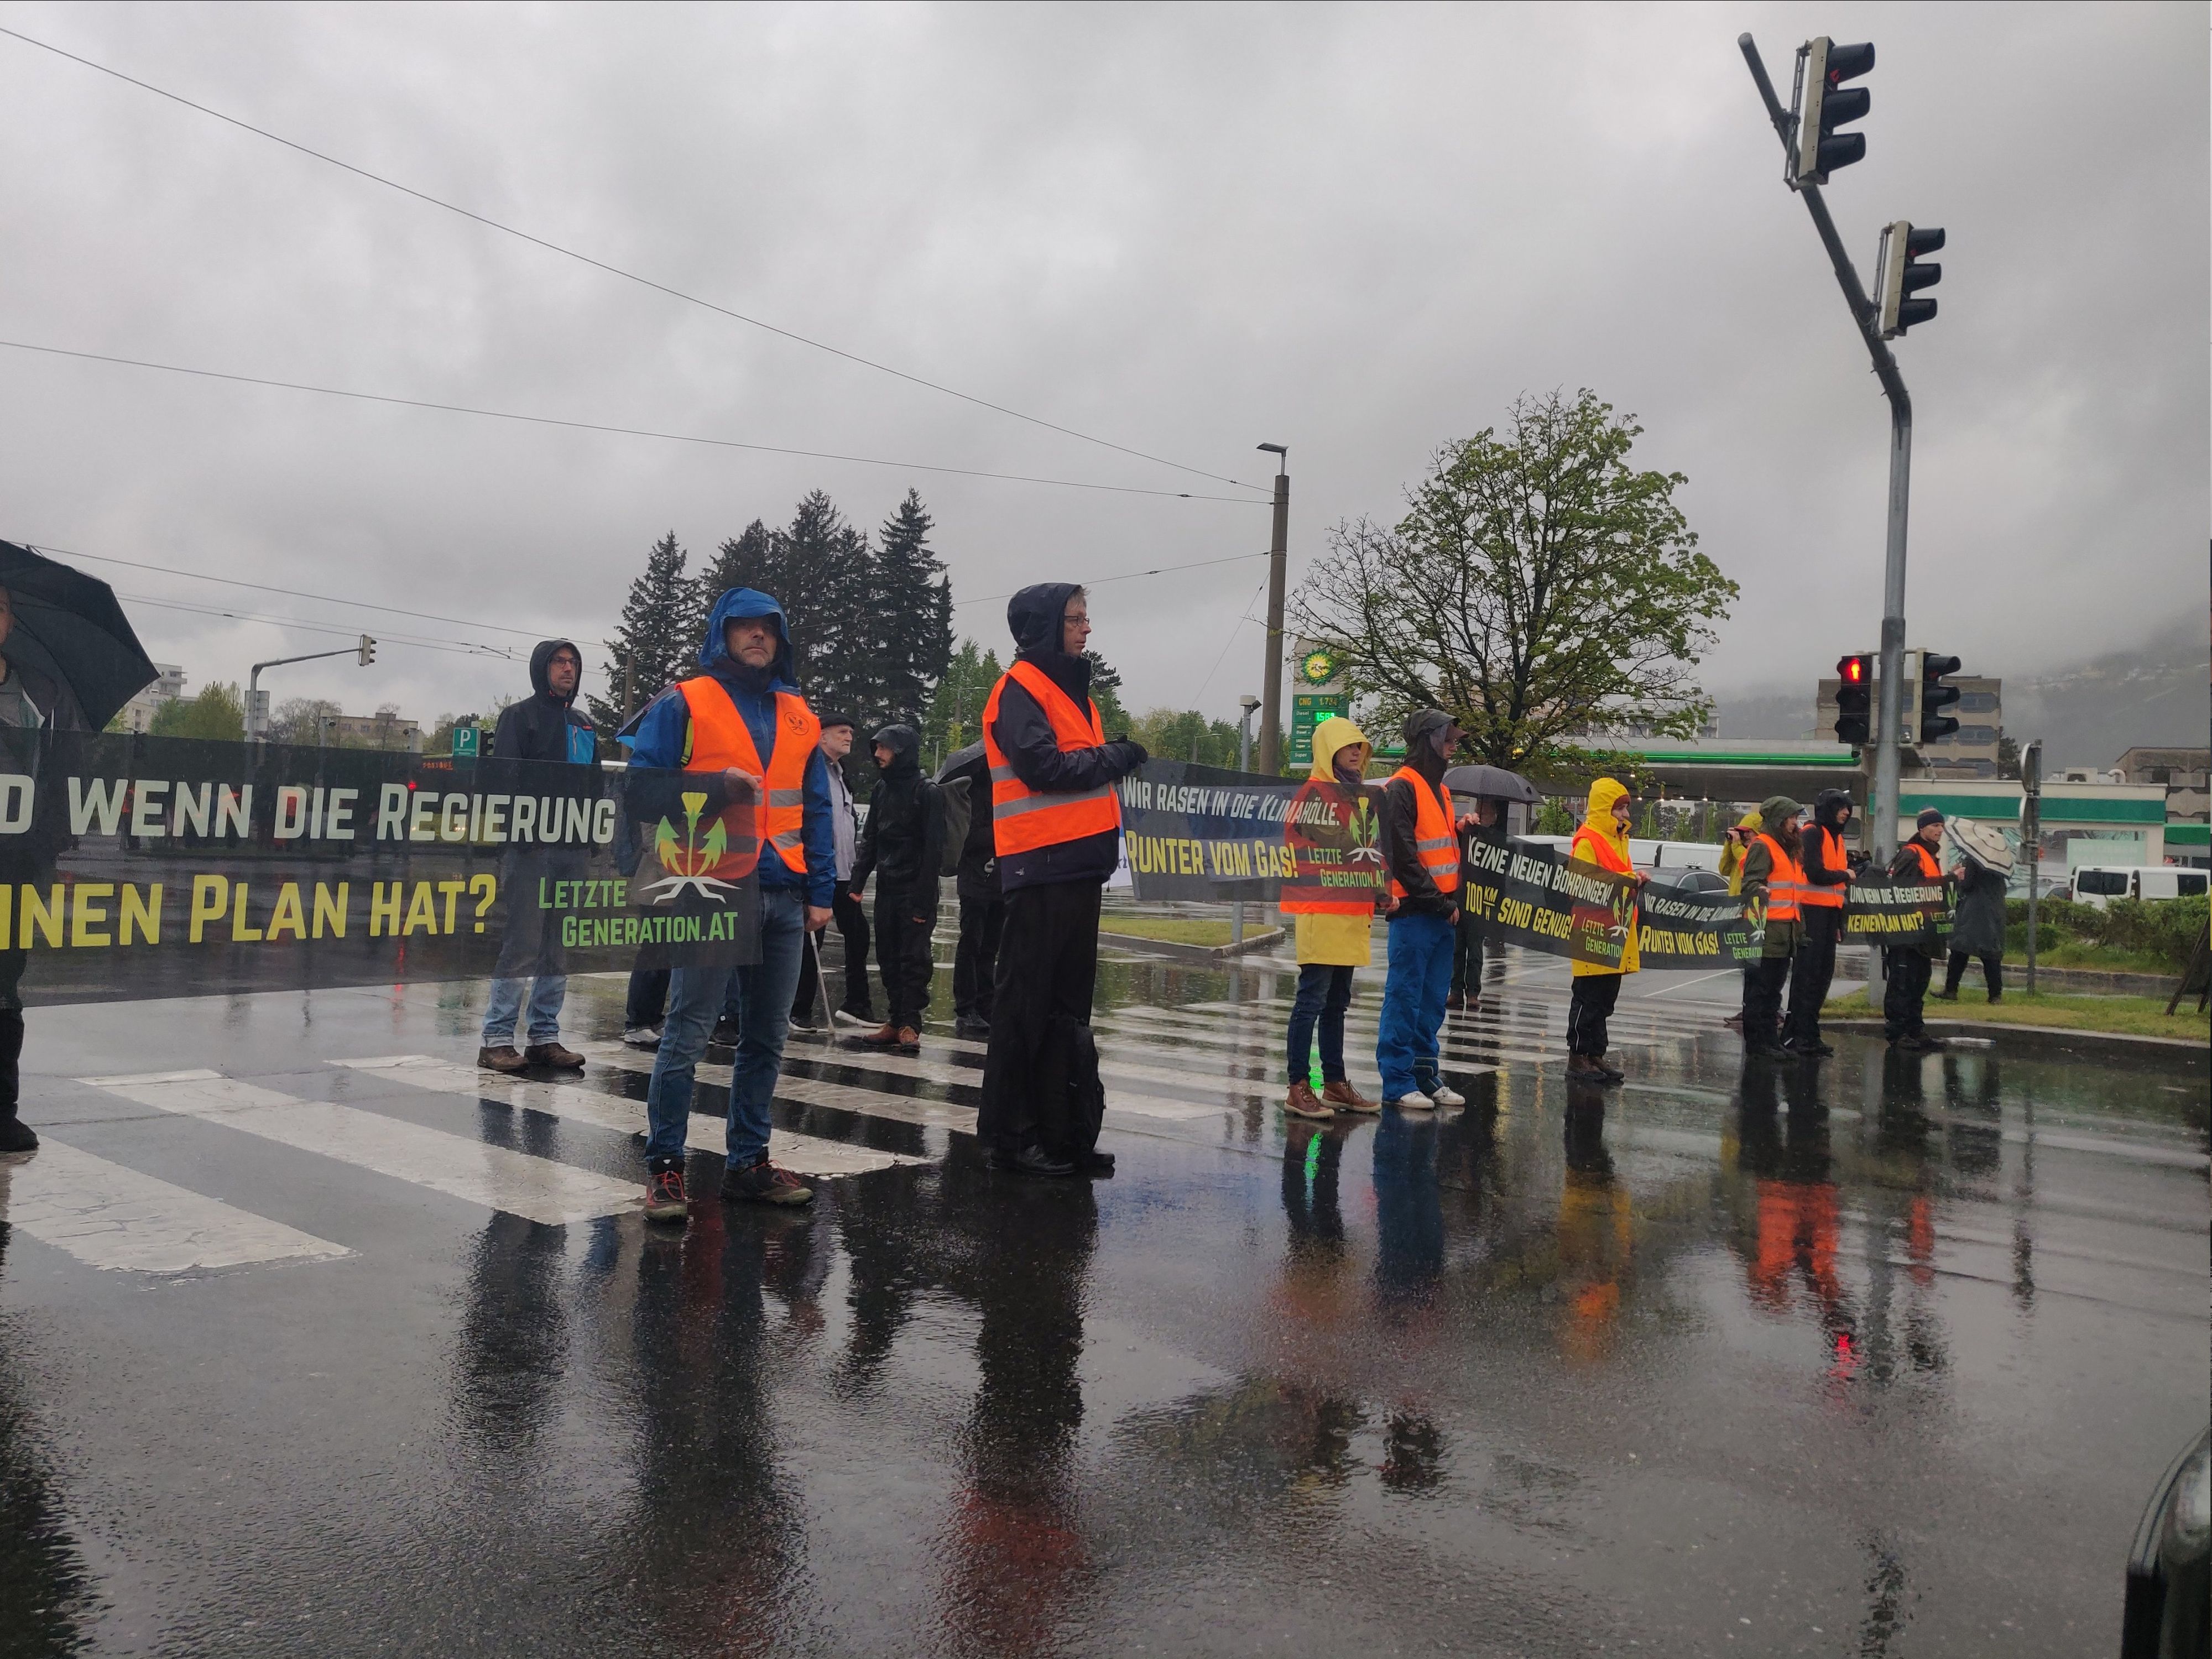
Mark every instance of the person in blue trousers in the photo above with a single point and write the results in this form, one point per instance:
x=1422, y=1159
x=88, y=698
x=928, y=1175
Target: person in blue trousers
x=1421, y=849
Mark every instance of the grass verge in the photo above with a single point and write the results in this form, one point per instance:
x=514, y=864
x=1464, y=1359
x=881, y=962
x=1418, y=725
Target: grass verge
x=2127, y=1016
x=1175, y=930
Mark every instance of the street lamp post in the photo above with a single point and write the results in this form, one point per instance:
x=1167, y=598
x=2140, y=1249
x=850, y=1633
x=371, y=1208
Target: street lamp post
x=255, y=725
x=1247, y=703
x=1271, y=690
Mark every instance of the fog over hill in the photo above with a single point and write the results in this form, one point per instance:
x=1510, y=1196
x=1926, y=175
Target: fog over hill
x=2087, y=713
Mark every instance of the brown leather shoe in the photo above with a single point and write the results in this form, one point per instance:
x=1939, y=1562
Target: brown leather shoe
x=502, y=1059
x=909, y=1037
x=1302, y=1101
x=883, y=1036
x=552, y=1054
x=1584, y=1069
x=1342, y=1095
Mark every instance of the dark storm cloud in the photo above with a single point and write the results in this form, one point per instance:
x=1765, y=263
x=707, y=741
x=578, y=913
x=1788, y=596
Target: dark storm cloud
x=1358, y=232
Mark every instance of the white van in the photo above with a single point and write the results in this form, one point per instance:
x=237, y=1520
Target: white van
x=2100, y=884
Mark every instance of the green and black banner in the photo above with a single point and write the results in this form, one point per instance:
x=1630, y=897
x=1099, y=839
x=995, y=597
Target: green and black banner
x=135, y=866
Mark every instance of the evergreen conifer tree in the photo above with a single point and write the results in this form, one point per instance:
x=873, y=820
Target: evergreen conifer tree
x=909, y=614
x=659, y=639
x=955, y=719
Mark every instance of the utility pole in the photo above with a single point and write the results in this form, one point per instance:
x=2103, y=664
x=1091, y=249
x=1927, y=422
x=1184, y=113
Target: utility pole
x=2031, y=838
x=1245, y=704
x=1271, y=690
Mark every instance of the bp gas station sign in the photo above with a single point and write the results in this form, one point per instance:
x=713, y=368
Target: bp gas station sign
x=1318, y=696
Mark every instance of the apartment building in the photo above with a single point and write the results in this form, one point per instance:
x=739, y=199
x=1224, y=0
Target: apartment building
x=1969, y=752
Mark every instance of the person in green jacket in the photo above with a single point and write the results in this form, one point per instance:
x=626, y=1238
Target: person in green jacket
x=1770, y=884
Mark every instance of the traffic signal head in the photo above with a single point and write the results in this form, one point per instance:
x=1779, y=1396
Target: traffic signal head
x=1855, y=699
x=1935, y=696
x=1902, y=272
x=1824, y=103
x=366, y=652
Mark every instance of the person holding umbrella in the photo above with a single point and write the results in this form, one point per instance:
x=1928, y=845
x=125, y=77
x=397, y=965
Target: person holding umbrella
x=1488, y=788
x=69, y=659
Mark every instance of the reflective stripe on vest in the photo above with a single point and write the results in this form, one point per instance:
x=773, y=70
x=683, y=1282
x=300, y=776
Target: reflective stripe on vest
x=1783, y=882
x=1024, y=819
x=1434, y=844
x=1929, y=870
x=1827, y=853
x=720, y=739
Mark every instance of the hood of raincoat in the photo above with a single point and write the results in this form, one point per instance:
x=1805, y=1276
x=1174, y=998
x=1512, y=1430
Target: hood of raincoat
x=541, y=660
x=1827, y=804
x=905, y=745
x=1421, y=754
x=1751, y=821
x=1331, y=737
x=1604, y=795
x=1034, y=614
x=1777, y=813
x=736, y=605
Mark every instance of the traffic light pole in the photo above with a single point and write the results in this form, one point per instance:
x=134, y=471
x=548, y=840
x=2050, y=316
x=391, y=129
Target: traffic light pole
x=1889, y=705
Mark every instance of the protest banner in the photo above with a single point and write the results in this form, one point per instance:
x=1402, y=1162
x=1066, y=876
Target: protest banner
x=137, y=866
x=1880, y=911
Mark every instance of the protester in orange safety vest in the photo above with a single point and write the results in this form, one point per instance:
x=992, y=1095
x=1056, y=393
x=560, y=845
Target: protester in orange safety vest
x=1907, y=967
x=1056, y=824
x=1422, y=851
x=1601, y=839
x=1772, y=880
x=1333, y=924
x=1827, y=873
x=1735, y=842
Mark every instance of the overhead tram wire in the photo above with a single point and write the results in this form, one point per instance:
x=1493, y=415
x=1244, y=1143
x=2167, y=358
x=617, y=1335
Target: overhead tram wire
x=457, y=648
x=618, y=431
x=616, y=270
x=1130, y=575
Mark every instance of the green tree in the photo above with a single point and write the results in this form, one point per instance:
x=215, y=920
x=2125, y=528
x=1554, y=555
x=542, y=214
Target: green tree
x=218, y=713
x=658, y=639
x=1186, y=735
x=301, y=720
x=1106, y=692
x=1538, y=588
x=955, y=715
x=909, y=611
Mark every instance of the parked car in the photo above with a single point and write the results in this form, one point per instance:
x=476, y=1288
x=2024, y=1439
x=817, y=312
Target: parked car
x=1691, y=881
x=2100, y=884
x=2168, y=1611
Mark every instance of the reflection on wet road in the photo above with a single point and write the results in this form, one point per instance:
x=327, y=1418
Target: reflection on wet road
x=307, y=1344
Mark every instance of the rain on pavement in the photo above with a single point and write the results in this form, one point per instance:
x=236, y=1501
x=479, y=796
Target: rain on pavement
x=313, y=1340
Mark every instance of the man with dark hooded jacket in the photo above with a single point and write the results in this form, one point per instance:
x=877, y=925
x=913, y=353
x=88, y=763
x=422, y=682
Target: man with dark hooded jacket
x=745, y=704
x=1820, y=907
x=543, y=729
x=901, y=845
x=1056, y=824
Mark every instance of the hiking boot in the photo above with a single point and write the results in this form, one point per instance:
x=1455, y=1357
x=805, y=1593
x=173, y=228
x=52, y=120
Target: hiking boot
x=1605, y=1074
x=883, y=1036
x=15, y=1135
x=968, y=1025
x=762, y=1183
x=1412, y=1101
x=1583, y=1067
x=505, y=1057
x=643, y=1036
x=725, y=1034
x=1342, y=1095
x=664, y=1197
x=1302, y=1101
x=552, y=1054
x=1031, y=1160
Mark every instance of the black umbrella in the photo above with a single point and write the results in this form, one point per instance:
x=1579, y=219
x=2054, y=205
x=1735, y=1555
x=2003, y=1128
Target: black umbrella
x=1491, y=782
x=69, y=628
x=959, y=758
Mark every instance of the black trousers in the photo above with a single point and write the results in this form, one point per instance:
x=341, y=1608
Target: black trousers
x=850, y=918
x=1815, y=967
x=974, y=964
x=648, y=1001
x=1048, y=965
x=1591, y=1005
x=1467, y=957
x=1992, y=973
x=1762, y=1001
x=905, y=919
x=12, y=963
x=1907, y=985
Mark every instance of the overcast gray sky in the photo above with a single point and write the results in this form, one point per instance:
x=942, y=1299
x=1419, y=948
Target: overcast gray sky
x=1358, y=231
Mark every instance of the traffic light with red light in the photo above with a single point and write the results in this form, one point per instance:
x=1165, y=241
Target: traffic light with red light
x=1935, y=696
x=1855, y=699
x=1824, y=103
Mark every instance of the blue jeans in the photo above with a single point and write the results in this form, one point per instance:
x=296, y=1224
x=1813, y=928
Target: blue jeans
x=1324, y=993
x=547, y=992
x=762, y=994
x=1414, y=1004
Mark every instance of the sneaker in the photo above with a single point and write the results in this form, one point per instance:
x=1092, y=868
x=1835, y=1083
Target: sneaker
x=552, y=1054
x=763, y=1183
x=504, y=1058
x=805, y=1022
x=664, y=1197
x=1346, y=1098
x=725, y=1034
x=855, y=1019
x=1445, y=1095
x=1303, y=1101
x=969, y=1026
x=15, y=1135
x=1412, y=1101
x=643, y=1036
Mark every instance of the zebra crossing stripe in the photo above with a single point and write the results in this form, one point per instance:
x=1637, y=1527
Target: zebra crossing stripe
x=111, y=1217
x=1464, y=1055
x=536, y=1189
x=807, y=1155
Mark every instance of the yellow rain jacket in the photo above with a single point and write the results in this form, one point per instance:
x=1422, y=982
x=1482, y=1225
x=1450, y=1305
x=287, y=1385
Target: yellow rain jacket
x=1337, y=941
x=1732, y=854
x=1598, y=824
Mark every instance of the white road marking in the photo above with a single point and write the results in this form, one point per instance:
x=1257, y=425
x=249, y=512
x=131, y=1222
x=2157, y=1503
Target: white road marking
x=108, y=1216
x=808, y=1155
x=459, y=1166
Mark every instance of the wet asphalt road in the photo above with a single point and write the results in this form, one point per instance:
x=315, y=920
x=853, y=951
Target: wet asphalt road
x=1878, y=1358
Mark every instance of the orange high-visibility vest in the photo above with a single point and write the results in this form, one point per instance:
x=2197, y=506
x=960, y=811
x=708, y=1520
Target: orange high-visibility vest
x=1024, y=819
x=1433, y=840
x=1827, y=853
x=1929, y=869
x=720, y=739
x=1783, y=882
x=1603, y=852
